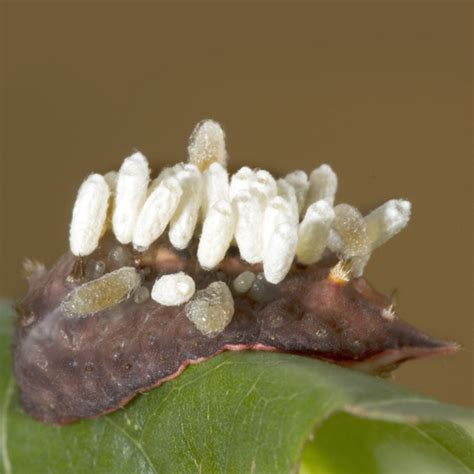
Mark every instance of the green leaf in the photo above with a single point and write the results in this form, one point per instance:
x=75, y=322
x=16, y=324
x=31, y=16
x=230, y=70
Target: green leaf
x=245, y=412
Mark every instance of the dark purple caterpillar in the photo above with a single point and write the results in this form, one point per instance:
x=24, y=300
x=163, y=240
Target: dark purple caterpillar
x=121, y=315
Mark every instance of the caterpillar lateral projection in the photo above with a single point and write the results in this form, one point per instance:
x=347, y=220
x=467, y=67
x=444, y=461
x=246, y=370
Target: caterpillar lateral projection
x=170, y=271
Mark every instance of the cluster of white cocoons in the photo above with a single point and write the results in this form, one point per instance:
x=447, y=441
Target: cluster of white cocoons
x=272, y=221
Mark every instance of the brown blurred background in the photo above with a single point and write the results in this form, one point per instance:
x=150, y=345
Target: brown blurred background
x=381, y=91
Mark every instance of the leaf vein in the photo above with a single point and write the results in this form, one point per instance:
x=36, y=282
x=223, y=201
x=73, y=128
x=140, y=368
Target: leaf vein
x=437, y=443
x=135, y=442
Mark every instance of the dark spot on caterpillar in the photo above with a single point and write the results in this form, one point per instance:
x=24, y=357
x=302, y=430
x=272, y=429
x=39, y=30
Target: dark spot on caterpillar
x=73, y=366
x=88, y=368
x=72, y=363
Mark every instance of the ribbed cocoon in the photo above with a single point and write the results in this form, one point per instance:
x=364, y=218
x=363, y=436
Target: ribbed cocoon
x=299, y=182
x=217, y=234
x=248, y=226
x=280, y=252
x=241, y=182
x=132, y=184
x=387, y=220
x=322, y=185
x=279, y=211
x=313, y=232
x=185, y=217
x=88, y=215
x=156, y=213
x=264, y=186
x=215, y=187
x=287, y=192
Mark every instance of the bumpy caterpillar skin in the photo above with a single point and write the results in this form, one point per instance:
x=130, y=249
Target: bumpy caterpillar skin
x=196, y=262
x=71, y=367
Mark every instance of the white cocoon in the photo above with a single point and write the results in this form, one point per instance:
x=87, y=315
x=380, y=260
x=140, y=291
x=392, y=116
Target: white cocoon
x=299, y=181
x=278, y=211
x=313, y=232
x=248, y=226
x=264, y=186
x=156, y=213
x=207, y=145
x=88, y=215
x=173, y=289
x=241, y=181
x=322, y=185
x=216, y=236
x=280, y=252
x=387, y=220
x=382, y=224
x=132, y=183
x=184, y=220
x=111, y=179
x=215, y=187
x=287, y=192
x=166, y=172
